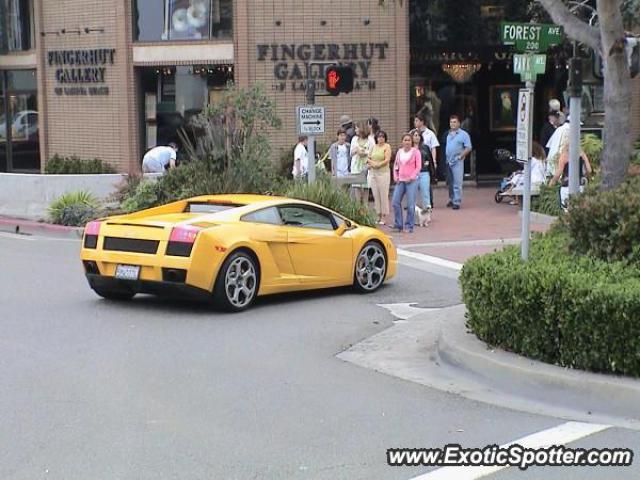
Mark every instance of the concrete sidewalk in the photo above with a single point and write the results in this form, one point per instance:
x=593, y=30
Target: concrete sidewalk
x=432, y=347
x=480, y=226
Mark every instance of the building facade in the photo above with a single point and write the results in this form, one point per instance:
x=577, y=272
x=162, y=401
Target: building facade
x=109, y=79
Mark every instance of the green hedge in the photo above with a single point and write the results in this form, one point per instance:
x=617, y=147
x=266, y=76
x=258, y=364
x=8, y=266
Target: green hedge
x=75, y=165
x=607, y=224
x=575, y=311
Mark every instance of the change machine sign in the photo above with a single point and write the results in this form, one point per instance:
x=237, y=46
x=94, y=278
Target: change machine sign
x=310, y=120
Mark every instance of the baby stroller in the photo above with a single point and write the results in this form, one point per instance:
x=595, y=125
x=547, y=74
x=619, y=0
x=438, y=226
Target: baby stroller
x=508, y=162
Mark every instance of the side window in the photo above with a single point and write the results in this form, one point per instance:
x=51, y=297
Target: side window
x=302, y=216
x=266, y=215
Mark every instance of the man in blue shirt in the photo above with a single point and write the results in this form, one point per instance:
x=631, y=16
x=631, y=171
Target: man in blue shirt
x=457, y=149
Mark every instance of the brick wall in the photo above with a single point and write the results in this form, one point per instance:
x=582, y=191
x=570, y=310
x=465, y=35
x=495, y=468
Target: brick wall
x=362, y=22
x=89, y=126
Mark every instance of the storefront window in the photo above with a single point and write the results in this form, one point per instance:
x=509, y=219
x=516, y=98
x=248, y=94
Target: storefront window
x=19, y=139
x=183, y=20
x=16, y=32
x=174, y=95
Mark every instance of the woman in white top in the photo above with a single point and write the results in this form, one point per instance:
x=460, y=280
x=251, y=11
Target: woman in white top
x=361, y=148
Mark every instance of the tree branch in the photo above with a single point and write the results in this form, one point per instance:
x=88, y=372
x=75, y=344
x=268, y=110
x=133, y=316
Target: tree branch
x=573, y=26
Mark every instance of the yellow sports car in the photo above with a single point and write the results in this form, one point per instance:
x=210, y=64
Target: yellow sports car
x=232, y=248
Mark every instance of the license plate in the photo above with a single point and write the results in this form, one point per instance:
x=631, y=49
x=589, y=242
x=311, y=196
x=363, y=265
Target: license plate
x=128, y=272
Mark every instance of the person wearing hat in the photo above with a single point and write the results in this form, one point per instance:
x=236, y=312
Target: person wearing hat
x=347, y=124
x=160, y=158
x=549, y=127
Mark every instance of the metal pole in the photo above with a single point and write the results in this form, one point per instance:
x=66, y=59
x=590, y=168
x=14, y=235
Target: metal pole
x=311, y=143
x=526, y=197
x=575, y=109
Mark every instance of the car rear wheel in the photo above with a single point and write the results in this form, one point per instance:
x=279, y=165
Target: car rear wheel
x=371, y=268
x=120, y=295
x=237, y=283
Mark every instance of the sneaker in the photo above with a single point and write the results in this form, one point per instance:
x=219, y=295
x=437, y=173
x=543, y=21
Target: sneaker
x=456, y=207
x=449, y=204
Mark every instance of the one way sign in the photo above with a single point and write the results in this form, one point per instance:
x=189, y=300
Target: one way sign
x=310, y=120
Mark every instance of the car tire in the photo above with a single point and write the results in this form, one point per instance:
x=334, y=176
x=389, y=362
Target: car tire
x=237, y=284
x=498, y=198
x=118, y=295
x=371, y=268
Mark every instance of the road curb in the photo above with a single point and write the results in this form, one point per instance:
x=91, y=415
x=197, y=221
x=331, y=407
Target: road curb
x=540, y=218
x=29, y=227
x=581, y=390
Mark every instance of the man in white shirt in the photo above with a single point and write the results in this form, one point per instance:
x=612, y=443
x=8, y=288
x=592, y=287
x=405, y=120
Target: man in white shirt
x=158, y=159
x=300, y=158
x=429, y=138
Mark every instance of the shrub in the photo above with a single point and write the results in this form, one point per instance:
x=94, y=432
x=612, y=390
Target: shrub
x=607, y=224
x=74, y=208
x=327, y=194
x=592, y=146
x=635, y=157
x=548, y=201
x=144, y=196
x=576, y=311
x=75, y=165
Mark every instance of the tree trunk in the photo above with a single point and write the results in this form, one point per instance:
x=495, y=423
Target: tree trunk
x=608, y=42
x=617, y=95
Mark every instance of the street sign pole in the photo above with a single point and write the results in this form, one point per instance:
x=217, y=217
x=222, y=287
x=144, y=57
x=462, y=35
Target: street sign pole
x=528, y=38
x=575, y=108
x=311, y=143
x=526, y=198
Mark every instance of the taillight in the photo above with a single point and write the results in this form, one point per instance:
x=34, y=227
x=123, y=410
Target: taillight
x=91, y=232
x=184, y=234
x=181, y=240
x=92, y=228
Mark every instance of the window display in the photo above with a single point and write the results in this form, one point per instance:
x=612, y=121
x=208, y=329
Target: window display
x=183, y=19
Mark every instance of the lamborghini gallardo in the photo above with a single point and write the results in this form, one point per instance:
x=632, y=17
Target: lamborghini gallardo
x=229, y=249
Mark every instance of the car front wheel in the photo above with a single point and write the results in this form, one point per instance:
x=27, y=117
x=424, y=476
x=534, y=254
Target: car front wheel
x=371, y=268
x=237, y=283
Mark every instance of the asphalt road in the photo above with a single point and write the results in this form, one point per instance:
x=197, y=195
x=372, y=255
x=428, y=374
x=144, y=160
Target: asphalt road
x=152, y=389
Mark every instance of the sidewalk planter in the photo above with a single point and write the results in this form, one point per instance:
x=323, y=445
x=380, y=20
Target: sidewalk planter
x=29, y=195
x=578, y=312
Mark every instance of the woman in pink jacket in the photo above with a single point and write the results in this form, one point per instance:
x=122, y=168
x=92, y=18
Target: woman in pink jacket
x=405, y=173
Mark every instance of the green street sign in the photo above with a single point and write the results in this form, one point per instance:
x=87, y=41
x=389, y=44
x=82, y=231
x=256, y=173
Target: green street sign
x=531, y=37
x=529, y=65
x=535, y=64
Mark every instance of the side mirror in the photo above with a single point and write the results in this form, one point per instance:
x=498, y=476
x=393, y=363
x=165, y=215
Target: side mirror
x=343, y=227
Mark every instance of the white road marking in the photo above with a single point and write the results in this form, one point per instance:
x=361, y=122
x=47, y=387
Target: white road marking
x=441, y=262
x=560, y=435
x=405, y=311
x=465, y=243
x=15, y=236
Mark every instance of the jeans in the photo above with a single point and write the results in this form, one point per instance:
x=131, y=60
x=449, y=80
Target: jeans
x=455, y=174
x=424, y=184
x=410, y=189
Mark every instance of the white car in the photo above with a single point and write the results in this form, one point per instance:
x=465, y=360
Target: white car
x=24, y=125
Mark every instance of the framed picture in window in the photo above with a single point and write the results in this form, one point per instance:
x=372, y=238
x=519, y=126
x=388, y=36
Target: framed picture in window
x=189, y=19
x=503, y=107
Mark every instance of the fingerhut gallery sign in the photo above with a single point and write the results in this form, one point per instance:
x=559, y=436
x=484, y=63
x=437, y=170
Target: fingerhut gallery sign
x=292, y=63
x=81, y=72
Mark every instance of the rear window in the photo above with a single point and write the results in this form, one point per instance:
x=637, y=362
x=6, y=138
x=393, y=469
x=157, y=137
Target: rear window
x=204, y=207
